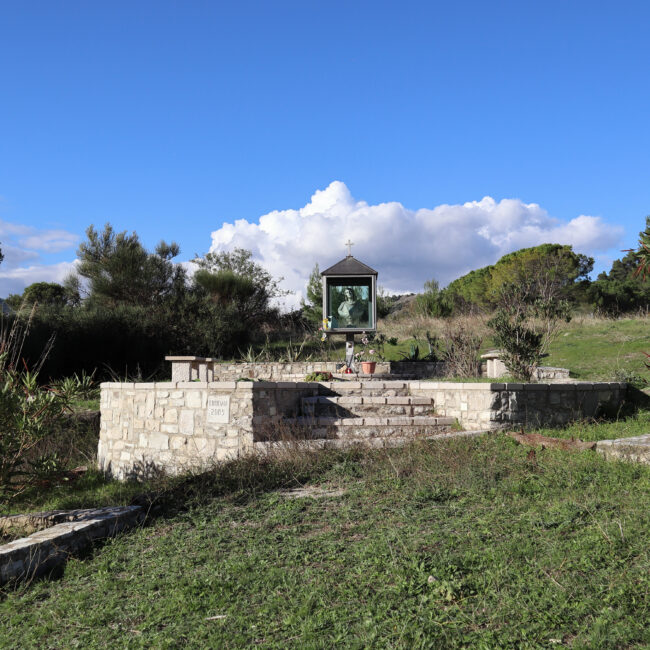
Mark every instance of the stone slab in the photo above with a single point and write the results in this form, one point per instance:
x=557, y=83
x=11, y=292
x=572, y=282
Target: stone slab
x=636, y=449
x=30, y=557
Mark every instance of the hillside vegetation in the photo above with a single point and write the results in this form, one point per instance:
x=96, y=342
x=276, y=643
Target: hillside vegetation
x=125, y=308
x=597, y=349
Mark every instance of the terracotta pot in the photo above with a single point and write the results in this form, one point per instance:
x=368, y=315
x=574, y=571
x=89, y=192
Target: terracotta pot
x=368, y=367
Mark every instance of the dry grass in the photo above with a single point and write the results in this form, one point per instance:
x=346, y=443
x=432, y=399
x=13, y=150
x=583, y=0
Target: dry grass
x=415, y=326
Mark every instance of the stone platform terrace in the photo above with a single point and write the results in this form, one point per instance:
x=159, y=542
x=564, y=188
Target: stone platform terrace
x=182, y=425
x=191, y=368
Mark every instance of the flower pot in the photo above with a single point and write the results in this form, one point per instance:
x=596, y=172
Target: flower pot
x=368, y=367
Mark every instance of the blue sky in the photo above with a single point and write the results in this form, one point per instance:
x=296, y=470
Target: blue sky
x=174, y=118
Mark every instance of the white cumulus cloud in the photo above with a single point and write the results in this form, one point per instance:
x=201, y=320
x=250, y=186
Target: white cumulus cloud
x=407, y=247
x=16, y=279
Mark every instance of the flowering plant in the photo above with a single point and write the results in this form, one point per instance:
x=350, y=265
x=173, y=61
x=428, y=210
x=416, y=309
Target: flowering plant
x=367, y=353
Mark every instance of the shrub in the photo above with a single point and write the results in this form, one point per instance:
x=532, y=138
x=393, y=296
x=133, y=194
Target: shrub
x=460, y=347
x=128, y=338
x=521, y=347
x=319, y=376
x=524, y=326
x=28, y=413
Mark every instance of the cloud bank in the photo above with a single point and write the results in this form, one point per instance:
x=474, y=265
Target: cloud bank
x=24, y=249
x=407, y=247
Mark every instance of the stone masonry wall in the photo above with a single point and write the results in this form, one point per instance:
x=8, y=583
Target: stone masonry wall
x=165, y=425
x=207, y=369
x=482, y=405
x=177, y=426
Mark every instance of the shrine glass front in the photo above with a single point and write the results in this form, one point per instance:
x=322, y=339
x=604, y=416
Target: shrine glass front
x=350, y=303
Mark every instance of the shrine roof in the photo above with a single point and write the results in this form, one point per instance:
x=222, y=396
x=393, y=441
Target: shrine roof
x=349, y=266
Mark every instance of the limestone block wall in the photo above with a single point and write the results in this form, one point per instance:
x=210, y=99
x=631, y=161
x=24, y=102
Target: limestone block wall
x=494, y=405
x=495, y=368
x=177, y=426
x=167, y=425
x=548, y=373
x=209, y=369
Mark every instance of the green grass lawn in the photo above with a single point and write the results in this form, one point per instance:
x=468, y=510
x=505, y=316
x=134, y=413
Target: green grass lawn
x=467, y=543
x=599, y=349
x=592, y=349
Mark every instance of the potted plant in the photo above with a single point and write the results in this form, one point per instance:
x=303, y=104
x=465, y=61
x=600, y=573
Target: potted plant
x=367, y=356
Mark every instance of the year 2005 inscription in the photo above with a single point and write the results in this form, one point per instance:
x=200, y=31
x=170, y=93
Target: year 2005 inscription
x=219, y=409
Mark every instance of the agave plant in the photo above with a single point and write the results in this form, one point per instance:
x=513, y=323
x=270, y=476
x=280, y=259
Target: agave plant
x=84, y=386
x=413, y=354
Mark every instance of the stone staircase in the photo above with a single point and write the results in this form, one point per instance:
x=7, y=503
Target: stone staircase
x=363, y=410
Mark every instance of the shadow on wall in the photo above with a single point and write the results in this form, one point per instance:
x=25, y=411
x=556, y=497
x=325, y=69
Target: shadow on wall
x=640, y=399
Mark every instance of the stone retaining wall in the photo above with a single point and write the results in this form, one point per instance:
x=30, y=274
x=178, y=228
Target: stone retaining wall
x=177, y=426
x=636, y=449
x=208, y=369
x=495, y=405
x=30, y=557
x=548, y=373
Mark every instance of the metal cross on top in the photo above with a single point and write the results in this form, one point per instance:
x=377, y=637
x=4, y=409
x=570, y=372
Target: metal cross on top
x=349, y=244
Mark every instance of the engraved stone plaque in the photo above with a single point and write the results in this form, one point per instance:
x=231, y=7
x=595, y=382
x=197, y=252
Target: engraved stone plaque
x=219, y=409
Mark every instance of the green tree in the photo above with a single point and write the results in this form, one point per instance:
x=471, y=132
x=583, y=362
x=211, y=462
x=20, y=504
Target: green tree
x=46, y=293
x=548, y=271
x=642, y=254
x=225, y=286
x=312, y=307
x=623, y=289
x=471, y=290
x=256, y=305
x=14, y=300
x=119, y=270
x=433, y=301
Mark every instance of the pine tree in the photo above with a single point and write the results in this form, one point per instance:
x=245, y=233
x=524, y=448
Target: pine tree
x=120, y=271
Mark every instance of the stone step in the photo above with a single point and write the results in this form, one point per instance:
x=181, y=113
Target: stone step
x=375, y=443
x=342, y=377
x=380, y=406
x=422, y=420
x=365, y=388
x=329, y=427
